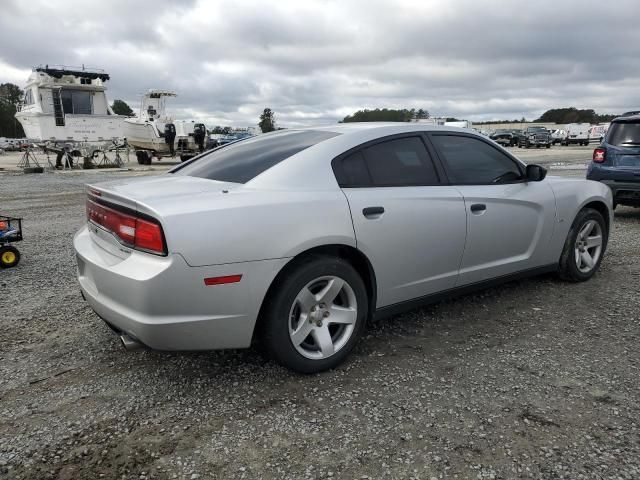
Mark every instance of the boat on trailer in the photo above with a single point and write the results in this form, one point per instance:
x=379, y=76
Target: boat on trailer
x=68, y=105
x=154, y=133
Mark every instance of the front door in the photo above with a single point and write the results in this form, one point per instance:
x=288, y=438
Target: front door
x=509, y=221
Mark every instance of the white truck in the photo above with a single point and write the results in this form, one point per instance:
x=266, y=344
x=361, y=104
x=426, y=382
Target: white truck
x=577, y=133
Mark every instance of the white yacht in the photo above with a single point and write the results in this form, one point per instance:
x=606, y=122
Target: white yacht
x=66, y=104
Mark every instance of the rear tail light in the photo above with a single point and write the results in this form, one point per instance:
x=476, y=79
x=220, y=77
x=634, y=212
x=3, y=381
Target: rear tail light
x=130, y=228
x=599, y=155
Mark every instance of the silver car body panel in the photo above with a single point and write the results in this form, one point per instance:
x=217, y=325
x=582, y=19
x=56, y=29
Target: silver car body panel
x=425, y=258
x=426, y=241
x=511, y=234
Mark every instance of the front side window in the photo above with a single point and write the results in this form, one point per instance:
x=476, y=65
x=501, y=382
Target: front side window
x=242, y=161
x=473, y=162
x=76, y=102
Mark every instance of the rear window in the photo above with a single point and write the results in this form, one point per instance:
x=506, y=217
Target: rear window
x=622, y=134
x=242, y=161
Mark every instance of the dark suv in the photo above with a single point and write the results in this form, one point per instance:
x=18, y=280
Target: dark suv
x=616, y=162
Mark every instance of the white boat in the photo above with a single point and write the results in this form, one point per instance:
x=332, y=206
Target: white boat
x=67, y=104
x=146, y=131
x=153, y=132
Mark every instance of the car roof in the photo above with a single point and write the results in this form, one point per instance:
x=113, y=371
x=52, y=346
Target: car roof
x=383, y=128
x=311, y=169
x=627, y=118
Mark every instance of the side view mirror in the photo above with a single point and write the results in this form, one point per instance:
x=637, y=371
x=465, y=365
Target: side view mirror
x=535, y=173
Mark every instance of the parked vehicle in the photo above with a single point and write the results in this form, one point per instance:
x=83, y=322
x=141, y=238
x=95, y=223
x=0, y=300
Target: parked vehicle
x=558, y=135
x=577, y=133
x=293, y=237
x=534, y=136
x=616, y=162
x=504, y=137
x=597, y=132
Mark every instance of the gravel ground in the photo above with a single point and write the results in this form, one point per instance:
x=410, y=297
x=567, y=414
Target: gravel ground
x=535, y=379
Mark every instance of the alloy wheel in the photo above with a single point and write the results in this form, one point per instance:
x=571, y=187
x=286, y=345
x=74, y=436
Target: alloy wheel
x=588, y=246
x=323, y=317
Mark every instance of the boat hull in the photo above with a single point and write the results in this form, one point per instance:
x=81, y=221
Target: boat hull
x=77, y=128
x=144, y=136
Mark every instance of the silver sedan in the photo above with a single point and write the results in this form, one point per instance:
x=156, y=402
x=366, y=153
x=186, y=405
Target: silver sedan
x=297, y=238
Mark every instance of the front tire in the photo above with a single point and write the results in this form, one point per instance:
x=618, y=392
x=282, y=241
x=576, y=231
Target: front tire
x=315, y=315
x=584, y=247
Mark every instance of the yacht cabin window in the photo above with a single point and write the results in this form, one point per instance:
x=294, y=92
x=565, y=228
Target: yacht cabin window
x=28, y=97
x=76, y=102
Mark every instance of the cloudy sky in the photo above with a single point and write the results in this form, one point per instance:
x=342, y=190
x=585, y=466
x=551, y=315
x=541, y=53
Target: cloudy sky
x=316, y=61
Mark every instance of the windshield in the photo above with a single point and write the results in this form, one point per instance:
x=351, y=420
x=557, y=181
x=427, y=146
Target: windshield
x=242, y=161
x=624, y=134
x=537, y=129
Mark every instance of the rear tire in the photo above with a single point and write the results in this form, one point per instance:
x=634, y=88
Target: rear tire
x=585, y=246
x=315, y=315
x=9, y=256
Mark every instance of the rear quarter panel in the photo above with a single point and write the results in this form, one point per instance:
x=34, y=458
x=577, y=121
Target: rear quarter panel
x=213, y=228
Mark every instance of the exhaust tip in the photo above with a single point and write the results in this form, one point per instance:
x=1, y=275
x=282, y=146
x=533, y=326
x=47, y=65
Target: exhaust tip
x=129, y=343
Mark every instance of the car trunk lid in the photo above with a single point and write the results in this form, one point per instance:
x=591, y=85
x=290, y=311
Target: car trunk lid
x=143, y=194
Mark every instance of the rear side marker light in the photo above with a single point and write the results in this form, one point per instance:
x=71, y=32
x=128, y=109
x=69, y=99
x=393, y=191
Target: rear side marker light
x=599, y=155
x=211, y=281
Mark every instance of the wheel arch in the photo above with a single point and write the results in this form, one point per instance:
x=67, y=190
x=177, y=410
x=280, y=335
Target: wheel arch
x=355, y=257
x=601, y=207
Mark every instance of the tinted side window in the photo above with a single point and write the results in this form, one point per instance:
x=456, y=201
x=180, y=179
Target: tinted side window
x=404, y=161
x=353, y=171
x=240, y=162
x=472, y=161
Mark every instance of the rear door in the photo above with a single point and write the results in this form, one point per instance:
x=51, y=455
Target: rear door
x=410, y=225
x=509, y=221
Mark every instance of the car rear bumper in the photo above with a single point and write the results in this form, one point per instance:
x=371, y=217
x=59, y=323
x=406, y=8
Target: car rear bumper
x=624, y=192
x=163, y=303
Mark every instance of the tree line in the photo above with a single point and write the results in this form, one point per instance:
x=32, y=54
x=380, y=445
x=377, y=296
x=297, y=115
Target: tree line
x=10, y=96
x=574, y=115
x=386, y=115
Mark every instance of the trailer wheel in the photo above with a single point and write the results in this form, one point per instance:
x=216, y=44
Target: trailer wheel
x=9, y=256
x=144, y=157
